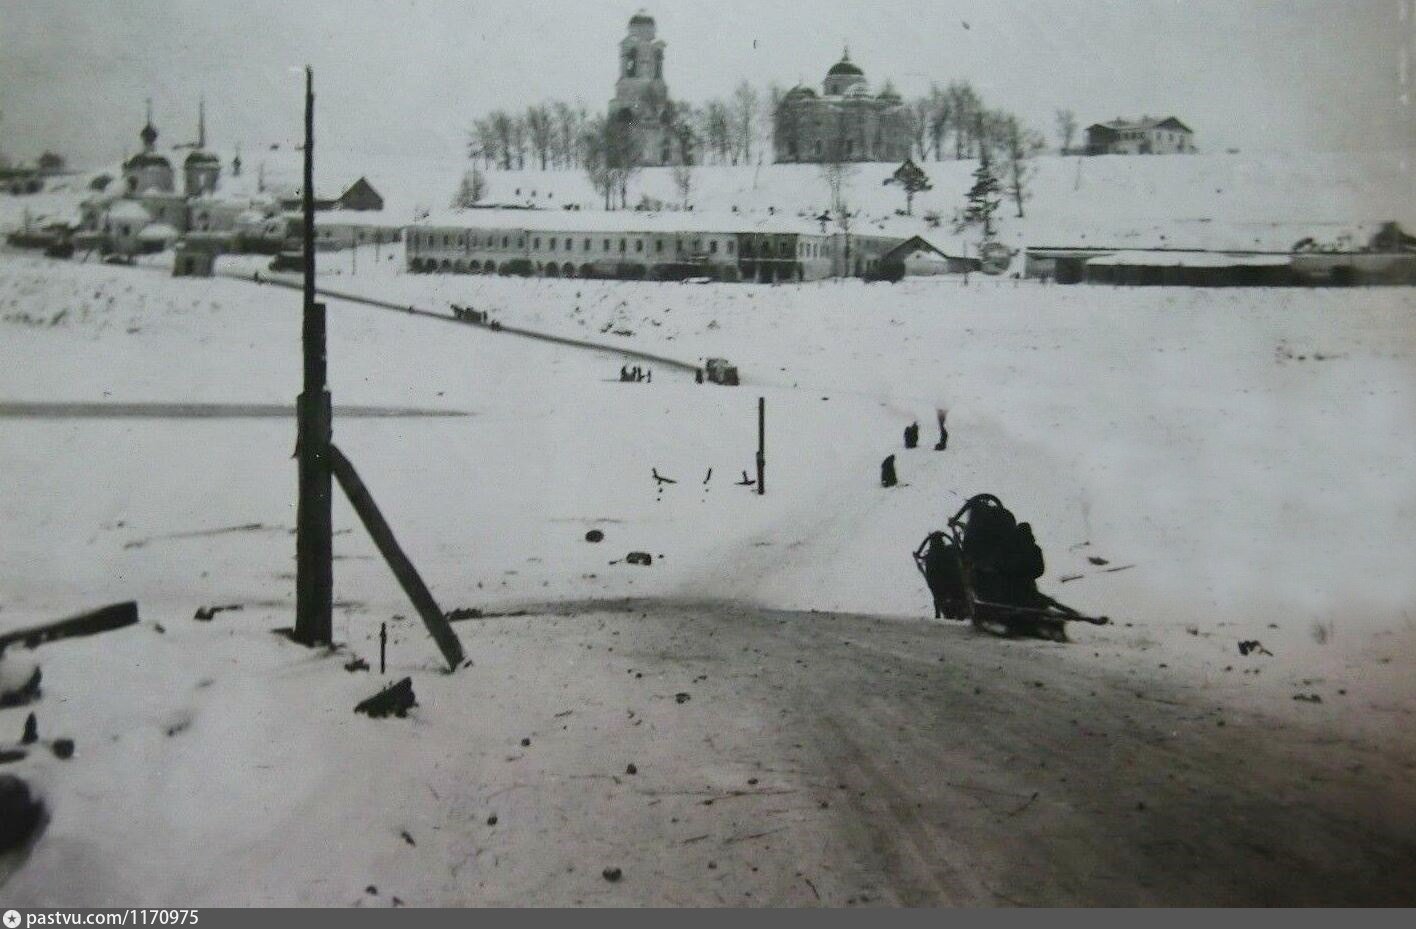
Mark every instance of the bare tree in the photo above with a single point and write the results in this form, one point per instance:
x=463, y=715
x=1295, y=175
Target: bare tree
x=519, y=135
x=683, y=182
x=1019, y=146
x=1066, y=128
x=965, y=105
x=503, y=128
x=837, y=173
x=564, y=131
x=990, y=132
x=919, y=113
x=582, y=119
x=771, y=105
x=744, y=117
x=611, y=158
x=540, y=132
x=681, y=121
x=595, y=158
x=482, y=142
x=717, y=129
x=941, y=117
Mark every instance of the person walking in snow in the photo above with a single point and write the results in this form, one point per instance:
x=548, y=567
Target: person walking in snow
x=943, y=442
x=912, y=435
x=887, y=472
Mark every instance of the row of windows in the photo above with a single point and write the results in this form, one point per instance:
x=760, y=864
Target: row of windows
x=433, y=240
x=804, y=249
x=446, y=240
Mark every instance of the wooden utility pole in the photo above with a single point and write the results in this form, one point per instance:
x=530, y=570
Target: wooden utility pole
x=314, y=573
x=761, y=446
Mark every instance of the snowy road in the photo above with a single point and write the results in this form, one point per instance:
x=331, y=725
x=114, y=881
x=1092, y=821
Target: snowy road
x=716, y=754
x=965, y=770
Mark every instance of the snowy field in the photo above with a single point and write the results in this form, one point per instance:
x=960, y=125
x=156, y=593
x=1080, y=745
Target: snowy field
x=1240, y=460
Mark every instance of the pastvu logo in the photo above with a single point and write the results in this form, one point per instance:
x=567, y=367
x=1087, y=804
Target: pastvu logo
x=12, y=919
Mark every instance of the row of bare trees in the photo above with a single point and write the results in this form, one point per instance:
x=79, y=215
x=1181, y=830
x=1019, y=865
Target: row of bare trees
x=947, y=122
x=544, y=135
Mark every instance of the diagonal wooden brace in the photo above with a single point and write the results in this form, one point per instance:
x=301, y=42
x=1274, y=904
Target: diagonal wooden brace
x=408, y=577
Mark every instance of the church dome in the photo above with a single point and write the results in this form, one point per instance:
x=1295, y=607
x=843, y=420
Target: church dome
x=800, y=92
x=147, y=160
x=199, y=157
x=845, y=67
x=641, y=19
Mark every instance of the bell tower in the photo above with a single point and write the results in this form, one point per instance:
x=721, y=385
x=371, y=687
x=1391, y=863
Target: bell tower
x=641, y=93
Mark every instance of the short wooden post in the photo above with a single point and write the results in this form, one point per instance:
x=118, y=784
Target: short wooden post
x=383, y=646
x=761, y=446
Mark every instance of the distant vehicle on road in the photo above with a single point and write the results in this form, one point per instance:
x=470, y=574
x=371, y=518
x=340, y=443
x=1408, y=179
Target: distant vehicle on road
x=721, y=371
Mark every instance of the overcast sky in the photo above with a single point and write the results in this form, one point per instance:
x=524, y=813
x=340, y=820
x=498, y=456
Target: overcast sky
x=410, y=75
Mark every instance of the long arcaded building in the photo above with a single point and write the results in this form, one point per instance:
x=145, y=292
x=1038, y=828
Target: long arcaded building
x=638, y=245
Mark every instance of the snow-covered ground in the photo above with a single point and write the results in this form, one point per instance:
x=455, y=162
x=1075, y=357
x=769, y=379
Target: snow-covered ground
x=1244, y=456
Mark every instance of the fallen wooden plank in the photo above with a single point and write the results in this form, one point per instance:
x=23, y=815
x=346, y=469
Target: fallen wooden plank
x=104, y=619
x=403, y=569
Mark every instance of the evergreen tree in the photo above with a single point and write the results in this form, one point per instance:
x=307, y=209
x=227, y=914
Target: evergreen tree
x=912, y=178
x=983, y=200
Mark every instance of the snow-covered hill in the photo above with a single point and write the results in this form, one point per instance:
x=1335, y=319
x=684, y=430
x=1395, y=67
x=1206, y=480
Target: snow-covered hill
x=1196, y=201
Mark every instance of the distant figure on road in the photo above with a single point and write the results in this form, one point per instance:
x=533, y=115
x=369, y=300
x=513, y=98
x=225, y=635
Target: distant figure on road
x=943, y=442
x=887, y=472
x=912, y=435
